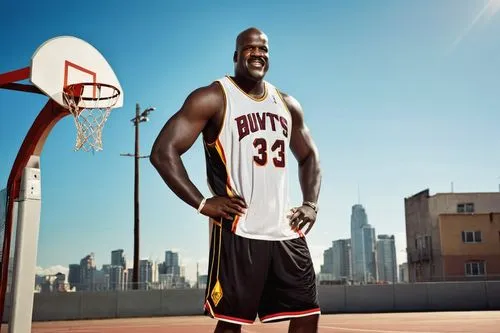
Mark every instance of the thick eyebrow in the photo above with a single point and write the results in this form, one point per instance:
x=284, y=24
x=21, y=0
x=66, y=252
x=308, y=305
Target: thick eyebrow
x=255, y=44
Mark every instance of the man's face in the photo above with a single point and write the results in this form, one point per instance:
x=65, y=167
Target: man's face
x=252, y=56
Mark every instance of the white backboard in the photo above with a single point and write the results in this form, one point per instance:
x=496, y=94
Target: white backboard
x=67, y=60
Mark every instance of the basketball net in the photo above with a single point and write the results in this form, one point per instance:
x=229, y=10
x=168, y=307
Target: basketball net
x=90, y=104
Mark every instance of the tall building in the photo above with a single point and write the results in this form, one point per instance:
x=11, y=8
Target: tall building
x=156, y=272
x=171, y=258
x=145, y=273
x=341, y=259
x=358, y=263
x=386, y=259
x=74, y=276
x=116, y=278
x=87, y=273
x=101, y=280
x=370, y=255
x=162, y=268
x=328, y=262
x=453, y=236
x=129, y=274
x=118, y=259
x=172, y=266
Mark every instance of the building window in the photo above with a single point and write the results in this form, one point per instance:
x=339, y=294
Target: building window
x=475, y=268
x=471, y=236
x=423, y=242
x=465, y=207
x=428, y=242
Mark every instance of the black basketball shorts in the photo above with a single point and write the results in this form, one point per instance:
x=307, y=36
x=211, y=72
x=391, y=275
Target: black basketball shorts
x=248, y=277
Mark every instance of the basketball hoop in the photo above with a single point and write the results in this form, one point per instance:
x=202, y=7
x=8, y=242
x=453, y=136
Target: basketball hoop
x=90, y=104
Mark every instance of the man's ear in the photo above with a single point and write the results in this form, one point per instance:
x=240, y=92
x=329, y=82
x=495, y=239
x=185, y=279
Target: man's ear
x=235, y=56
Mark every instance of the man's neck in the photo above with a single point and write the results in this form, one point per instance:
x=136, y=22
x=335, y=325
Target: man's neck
x=253, y=88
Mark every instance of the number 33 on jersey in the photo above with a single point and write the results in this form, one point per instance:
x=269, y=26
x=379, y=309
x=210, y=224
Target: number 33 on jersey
x=249, y=160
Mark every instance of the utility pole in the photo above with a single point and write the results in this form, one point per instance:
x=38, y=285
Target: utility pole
x=197, y=276
x=139, y=118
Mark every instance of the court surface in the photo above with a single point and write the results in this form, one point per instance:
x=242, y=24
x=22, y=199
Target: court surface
x=429, y=322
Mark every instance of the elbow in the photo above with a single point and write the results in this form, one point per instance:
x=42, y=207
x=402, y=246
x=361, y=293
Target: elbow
x=159, y=157
x=154, y=157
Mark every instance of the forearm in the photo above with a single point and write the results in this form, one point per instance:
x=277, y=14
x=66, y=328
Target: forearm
x=173, y=172
x=310, y=177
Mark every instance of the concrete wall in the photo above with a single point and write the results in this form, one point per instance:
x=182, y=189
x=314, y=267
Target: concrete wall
x=446, y=296
x=449, y=296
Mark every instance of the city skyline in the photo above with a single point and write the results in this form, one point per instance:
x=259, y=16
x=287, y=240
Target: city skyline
x=116, y=261
x=192, y=266
x=363, y=258
x=399, y=97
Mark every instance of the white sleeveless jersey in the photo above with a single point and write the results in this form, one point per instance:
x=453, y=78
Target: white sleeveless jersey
x=250, y=160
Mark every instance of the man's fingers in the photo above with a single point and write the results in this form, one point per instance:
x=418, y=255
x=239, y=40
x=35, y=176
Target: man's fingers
x=295, y=215
x=230, y=210
x=296, y=224
x=236, y=209
x=239, y=202
x=225, y=214
x=309, y=228
x=303, y=223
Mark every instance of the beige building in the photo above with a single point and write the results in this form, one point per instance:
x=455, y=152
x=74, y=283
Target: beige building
x=453, y=236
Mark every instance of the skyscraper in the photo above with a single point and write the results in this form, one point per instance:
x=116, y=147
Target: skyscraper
x=341, y=256
x=116, y=278
x=386, y=259
x=145, y=273
x=327, y=267
x=87, y=272
x=370, y=254
x=172, y=264
x=118, y=259
x=74, y=276
x=171, y=258
x=129, y=284
x=358, y=220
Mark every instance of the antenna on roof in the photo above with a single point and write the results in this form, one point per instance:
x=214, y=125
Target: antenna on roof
x=359, y=196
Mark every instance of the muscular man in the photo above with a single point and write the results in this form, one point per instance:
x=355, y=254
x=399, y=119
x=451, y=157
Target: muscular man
x=259, y=260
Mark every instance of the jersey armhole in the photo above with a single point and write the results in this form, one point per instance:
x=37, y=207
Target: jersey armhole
x=283, y=100
x=211, y=144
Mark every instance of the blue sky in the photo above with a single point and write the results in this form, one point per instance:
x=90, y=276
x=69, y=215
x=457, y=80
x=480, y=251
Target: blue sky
x=400, y=96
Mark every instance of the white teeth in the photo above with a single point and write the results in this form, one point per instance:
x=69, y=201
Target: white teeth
x=257, y=63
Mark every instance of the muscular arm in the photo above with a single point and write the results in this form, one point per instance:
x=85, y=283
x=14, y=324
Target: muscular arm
x=305, y=151
x=178, y=135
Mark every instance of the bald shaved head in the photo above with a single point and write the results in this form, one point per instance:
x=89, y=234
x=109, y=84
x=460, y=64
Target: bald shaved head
x=252, y=30
x=251, y=56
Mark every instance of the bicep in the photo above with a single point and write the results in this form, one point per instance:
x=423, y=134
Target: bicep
x=184, y=127
x=180, y=132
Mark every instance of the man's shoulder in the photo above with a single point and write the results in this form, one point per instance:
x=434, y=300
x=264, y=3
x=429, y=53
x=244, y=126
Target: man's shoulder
x=208, y=94
x=291, y=102
x=213, y=88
